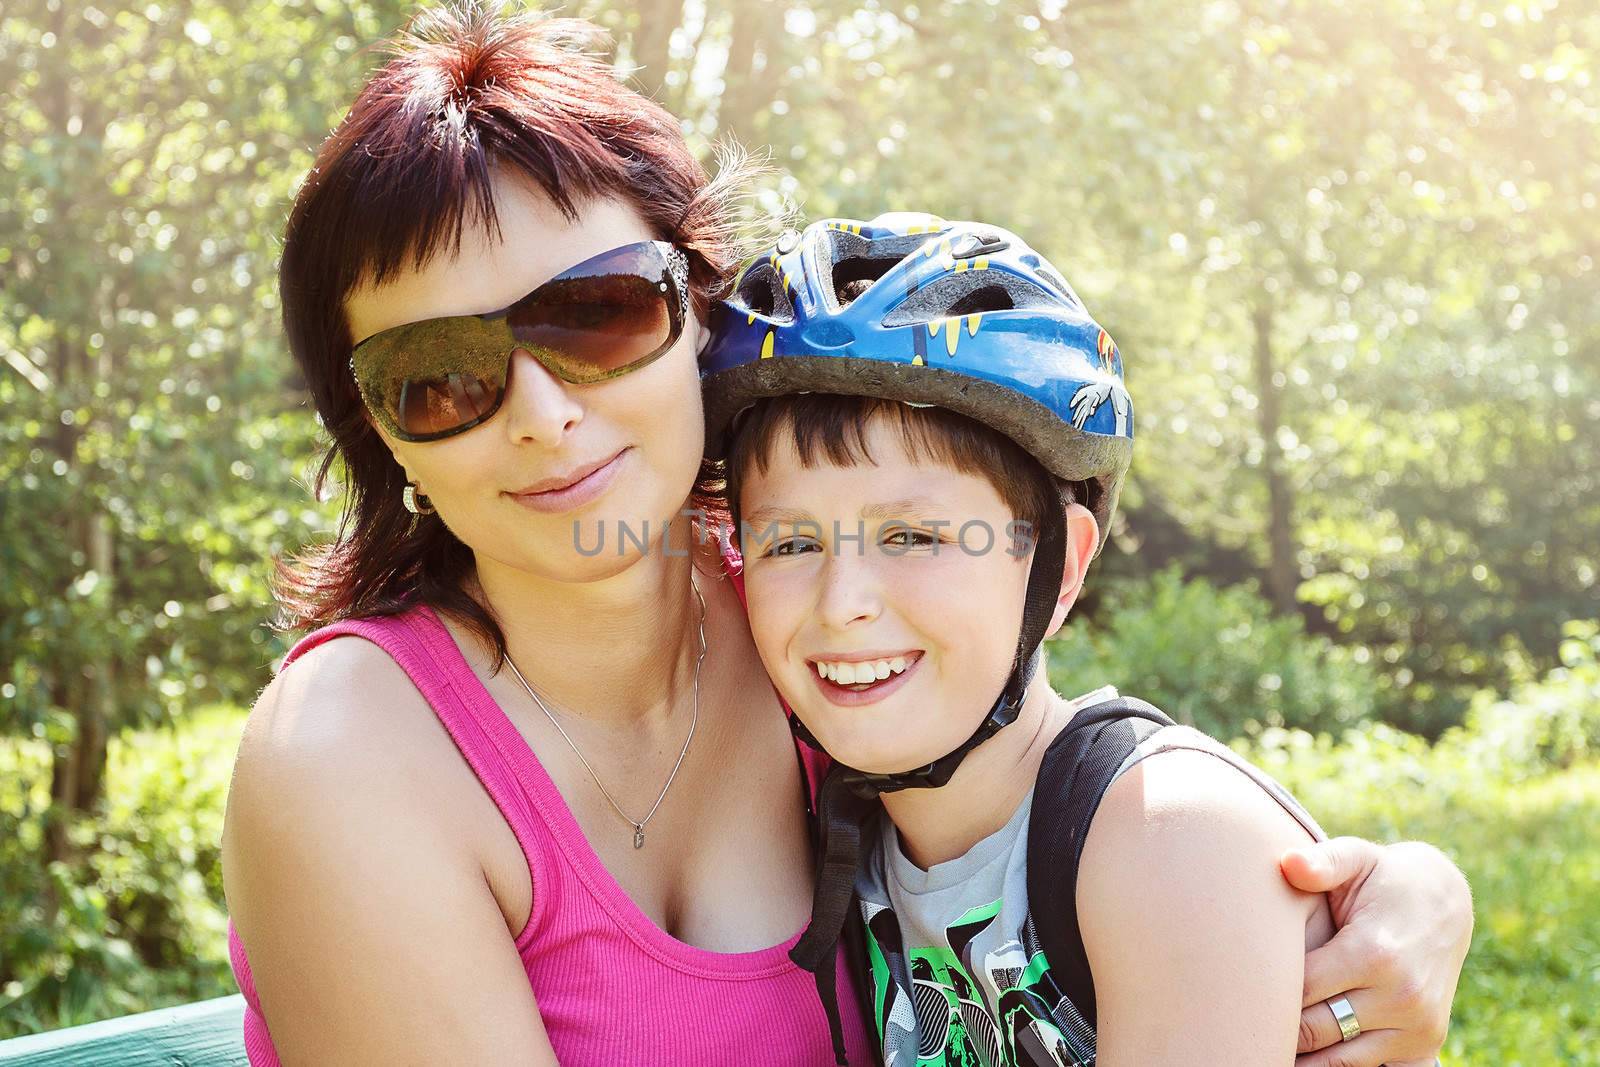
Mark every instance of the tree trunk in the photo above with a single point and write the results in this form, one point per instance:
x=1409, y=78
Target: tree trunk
x=1282, y=568
x=652, y=43
x=740, y=97
x=84, y=687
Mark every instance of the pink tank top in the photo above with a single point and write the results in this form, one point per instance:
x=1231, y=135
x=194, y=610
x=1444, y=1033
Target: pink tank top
x=612, y=987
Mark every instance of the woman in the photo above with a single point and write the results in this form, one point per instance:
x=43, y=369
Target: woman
x=599, y=854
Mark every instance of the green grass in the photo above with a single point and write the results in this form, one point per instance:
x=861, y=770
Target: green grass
x=1530, y=847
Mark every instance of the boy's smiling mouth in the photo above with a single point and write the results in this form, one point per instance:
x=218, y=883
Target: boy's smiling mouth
x=862, y=678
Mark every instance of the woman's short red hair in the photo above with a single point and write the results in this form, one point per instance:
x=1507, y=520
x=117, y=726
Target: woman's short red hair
x=466, y=88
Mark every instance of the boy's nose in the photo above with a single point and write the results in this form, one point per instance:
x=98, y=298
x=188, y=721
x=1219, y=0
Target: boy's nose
x=849, y=593
x=538, y=405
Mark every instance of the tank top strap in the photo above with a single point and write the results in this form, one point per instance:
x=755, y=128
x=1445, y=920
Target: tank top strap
x=1187, y=738
x=486, y=738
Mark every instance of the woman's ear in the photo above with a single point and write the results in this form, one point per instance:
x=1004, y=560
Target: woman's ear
x=1083, y=537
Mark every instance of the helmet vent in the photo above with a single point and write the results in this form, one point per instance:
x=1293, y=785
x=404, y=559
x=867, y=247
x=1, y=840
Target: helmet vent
x=989, y=298
x=845, y=260
x=762, y=291
x=972, y=292
x=852, y=277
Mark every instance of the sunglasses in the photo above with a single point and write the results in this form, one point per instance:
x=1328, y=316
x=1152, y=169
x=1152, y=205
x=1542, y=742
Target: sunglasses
x=603, y=318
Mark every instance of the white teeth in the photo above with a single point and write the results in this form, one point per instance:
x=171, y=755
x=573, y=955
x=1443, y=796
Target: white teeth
x=857, y=672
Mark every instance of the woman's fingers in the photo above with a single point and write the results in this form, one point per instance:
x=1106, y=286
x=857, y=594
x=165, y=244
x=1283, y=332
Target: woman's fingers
x=1339, y=867
x=1344, y=963
x=1369, y=1050
x=1319, y=1029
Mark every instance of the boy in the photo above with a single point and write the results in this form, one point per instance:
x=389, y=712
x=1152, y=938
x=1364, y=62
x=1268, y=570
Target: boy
x=934, y=455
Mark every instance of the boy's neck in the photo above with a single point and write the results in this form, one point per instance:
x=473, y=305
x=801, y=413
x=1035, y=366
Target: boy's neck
x=938, y=825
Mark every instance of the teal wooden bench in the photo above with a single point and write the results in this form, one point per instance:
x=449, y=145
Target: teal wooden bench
x=206, y=1034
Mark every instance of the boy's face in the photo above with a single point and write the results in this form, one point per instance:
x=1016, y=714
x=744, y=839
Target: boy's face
x=932, y=614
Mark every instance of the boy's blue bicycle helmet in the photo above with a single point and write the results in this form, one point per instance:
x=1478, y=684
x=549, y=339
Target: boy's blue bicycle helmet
x=959, y=315
x=909, y=307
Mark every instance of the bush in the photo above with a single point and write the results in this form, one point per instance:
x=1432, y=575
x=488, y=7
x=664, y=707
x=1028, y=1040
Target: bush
x=1214, y=658
x=138, y=920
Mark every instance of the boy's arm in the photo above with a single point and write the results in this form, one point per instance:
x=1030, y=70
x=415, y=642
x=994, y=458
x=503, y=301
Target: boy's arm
x=1405, y=918
x=1196, y=943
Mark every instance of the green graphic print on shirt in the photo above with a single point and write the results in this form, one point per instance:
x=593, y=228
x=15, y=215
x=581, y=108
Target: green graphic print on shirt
x=930, y=1010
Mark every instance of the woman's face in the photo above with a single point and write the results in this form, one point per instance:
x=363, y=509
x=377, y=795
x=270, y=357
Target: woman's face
x=558, y=466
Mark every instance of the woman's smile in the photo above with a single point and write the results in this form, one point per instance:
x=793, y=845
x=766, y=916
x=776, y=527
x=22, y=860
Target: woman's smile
x=568, y=492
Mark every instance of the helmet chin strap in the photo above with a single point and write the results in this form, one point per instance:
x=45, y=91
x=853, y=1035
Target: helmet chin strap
x=1044, y=588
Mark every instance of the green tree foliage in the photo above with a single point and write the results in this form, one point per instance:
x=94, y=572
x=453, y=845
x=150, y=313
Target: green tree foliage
x=1218, y=660
x=153, y=432
x=141, y=921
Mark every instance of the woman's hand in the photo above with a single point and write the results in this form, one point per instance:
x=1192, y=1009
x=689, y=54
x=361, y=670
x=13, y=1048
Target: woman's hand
x=1404, y=914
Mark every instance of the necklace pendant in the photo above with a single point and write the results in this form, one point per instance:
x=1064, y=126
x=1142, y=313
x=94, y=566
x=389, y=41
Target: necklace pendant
x=638, y=837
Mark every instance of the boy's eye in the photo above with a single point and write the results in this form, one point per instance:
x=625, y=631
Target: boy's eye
x=903, y=537
x=792, y=546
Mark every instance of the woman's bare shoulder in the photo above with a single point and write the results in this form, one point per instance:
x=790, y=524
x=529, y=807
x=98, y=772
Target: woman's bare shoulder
x=352, y=882
x=344, y=703
x=332, y=737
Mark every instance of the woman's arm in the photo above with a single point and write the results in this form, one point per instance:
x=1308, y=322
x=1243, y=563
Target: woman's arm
x=372, y=934
x=1196, y=942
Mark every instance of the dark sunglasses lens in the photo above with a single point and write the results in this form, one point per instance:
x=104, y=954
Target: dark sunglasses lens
x=436, y=405
x=602, y=316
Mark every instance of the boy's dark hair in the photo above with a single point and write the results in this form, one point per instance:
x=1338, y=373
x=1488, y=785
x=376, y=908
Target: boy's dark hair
x=829, y=428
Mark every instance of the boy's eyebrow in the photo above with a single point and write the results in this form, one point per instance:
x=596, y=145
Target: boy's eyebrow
x=906, y=508
x=910, y=507
x=776, y=514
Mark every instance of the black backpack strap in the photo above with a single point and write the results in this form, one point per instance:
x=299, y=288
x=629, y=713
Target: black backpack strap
x=1077, y=769
x=860, y=969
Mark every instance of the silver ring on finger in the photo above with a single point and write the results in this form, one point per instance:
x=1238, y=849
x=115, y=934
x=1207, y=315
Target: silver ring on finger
x=1345, y=1016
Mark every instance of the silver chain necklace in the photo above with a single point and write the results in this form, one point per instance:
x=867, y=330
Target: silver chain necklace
x=637, y=824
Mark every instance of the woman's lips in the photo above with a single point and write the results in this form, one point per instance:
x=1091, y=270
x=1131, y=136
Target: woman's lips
x=573, y=494
x=844, y=696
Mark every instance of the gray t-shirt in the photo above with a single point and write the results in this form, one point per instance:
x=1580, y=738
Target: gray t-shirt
x=958, y=977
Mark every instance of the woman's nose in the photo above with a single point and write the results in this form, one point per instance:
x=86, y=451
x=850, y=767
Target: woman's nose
x=538, y=406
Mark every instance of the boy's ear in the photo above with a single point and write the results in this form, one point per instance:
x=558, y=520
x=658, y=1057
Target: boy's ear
x=1083, y=535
